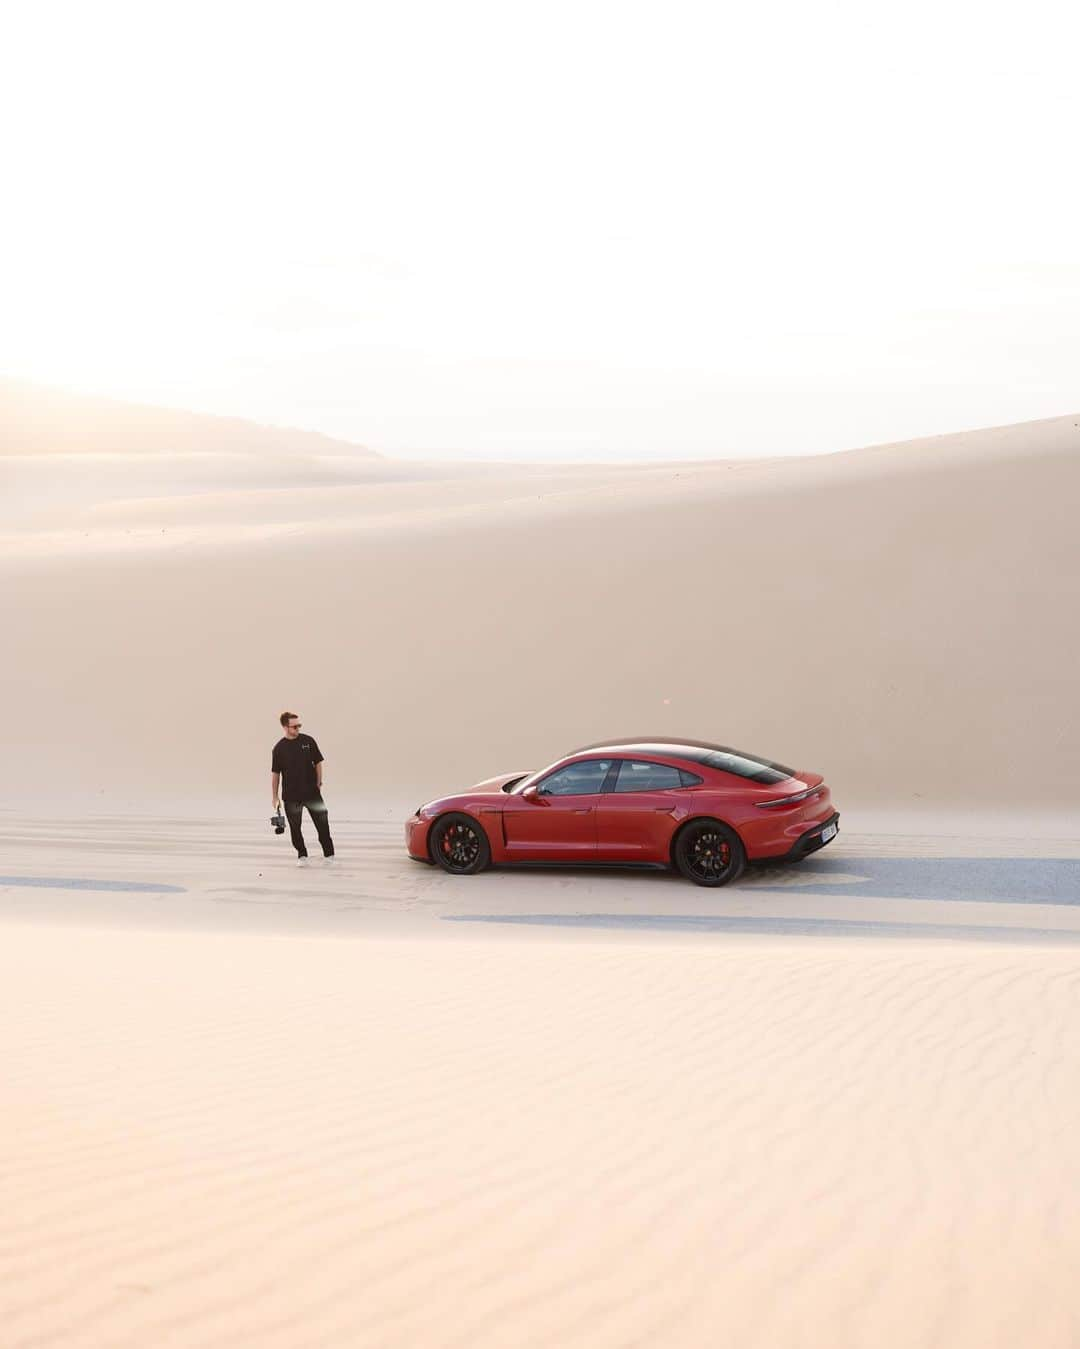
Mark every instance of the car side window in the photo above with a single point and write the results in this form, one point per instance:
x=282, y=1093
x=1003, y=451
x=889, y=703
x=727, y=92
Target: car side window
x=638, y=776
x=577, y=779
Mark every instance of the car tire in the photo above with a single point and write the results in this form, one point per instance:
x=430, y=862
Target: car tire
x=709, y=853
x=459, y=845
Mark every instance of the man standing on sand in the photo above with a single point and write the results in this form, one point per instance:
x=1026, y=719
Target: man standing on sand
x=299, y=760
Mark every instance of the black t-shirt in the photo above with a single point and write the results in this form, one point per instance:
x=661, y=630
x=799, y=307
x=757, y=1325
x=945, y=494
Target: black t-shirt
x=296, y=760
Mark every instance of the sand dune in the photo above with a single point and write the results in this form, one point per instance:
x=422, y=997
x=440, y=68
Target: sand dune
x=899, y=618
x=38, y=419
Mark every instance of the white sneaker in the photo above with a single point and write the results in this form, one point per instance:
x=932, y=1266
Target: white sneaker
x=328, y=860
x=301, y=861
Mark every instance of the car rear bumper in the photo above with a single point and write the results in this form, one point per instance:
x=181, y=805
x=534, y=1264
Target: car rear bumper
x=809, y=841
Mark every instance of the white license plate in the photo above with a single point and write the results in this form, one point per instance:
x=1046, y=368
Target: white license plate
x=828, y=832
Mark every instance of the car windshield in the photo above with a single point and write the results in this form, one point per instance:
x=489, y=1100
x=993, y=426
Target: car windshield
x=583, y=778
x=543, y=776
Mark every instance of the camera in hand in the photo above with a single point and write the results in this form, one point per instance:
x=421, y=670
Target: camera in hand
x=278, y=821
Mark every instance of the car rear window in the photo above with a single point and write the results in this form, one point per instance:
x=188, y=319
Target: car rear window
x=748, y=766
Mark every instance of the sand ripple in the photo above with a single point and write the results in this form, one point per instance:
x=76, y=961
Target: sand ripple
x=520, y=1140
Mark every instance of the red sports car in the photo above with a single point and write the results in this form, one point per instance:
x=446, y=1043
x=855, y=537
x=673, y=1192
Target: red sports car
x=705, y=809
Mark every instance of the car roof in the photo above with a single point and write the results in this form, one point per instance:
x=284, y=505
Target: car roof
x=701, y=752
x=694, y=750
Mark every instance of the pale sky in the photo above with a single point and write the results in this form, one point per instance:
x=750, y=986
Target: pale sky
x=569, y=230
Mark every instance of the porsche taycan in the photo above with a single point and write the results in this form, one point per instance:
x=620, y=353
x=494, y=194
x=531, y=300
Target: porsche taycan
x=705, y=810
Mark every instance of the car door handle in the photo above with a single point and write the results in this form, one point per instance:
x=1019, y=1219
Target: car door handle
x=586, y=811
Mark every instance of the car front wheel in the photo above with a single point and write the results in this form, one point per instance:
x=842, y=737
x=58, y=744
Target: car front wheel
x=709, y=853
x=459, y=845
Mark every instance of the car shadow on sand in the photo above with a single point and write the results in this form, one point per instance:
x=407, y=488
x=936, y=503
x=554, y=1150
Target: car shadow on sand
x=782, y=927
x=985, y=880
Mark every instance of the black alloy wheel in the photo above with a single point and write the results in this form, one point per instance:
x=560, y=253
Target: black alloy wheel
x=709, y=853
x=459, y=845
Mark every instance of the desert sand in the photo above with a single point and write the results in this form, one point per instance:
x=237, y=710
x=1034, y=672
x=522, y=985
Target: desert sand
x=831, y=1105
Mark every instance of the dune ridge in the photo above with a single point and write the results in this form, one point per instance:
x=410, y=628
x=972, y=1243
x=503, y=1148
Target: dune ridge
x=897, y=618
x=41, y=419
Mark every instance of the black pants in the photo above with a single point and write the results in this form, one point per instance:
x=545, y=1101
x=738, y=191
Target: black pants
x=294, y=811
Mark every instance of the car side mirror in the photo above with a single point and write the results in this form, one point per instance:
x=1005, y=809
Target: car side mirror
x=532, y=795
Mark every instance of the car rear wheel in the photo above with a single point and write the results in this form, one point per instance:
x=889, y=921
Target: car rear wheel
x=459, y=845
x=709, y=853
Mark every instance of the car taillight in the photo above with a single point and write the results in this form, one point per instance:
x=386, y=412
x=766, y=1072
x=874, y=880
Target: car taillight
x=791, y=800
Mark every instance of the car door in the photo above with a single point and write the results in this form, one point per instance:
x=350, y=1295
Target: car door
x=639, y=813
x=559, y=824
